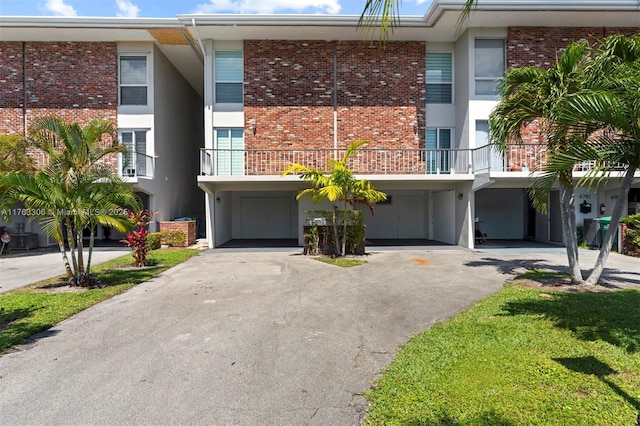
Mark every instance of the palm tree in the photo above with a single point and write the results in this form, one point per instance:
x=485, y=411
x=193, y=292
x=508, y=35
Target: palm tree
x=588, y=105
x=338, y=185
x=385, y=14
x=78, y=190
x=606, y=114
x=532, y=93
x=13, y=155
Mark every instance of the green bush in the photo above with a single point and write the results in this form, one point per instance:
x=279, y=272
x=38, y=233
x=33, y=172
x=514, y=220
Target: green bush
x=153, y=241
x=633, y=231
x=170, y=238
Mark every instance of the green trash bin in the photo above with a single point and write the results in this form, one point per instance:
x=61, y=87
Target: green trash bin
x=604, y=227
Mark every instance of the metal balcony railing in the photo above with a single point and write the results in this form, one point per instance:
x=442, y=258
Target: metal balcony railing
x=134, y=164
x=255, y=162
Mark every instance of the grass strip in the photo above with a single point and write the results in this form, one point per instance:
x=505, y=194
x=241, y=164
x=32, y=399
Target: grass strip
x=29, y=310
x=341, y=261
x=520, y=358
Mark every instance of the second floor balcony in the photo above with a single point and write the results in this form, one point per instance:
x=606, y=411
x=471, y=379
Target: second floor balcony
x=518, y=158
x=136, y=165
x=256, y=162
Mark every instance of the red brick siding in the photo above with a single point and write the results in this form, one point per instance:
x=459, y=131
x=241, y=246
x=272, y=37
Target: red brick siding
x=289, y=93
x=75, y=81
x=381, y=93
x=541, y=46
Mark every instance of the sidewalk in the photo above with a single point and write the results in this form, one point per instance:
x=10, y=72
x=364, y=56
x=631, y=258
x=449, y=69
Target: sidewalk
x=20, y=271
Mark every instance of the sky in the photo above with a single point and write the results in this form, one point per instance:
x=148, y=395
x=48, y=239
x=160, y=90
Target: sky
x=171, y=8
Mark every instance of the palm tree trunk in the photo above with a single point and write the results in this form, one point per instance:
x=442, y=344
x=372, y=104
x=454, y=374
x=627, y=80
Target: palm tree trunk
x=92, y=234
x=72, y=248
x=80, y=246
x=595, y=274
x=569, y=231
x=65, y=258
x=344, y=233
x=336, y=240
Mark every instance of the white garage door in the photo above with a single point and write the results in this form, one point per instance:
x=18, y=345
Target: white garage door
x=266, y=217
x=403, y=218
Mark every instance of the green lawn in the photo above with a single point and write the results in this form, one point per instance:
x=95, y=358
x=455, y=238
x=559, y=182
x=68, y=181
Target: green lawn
x=341, y=261
x=519, y=358
x=30, y=310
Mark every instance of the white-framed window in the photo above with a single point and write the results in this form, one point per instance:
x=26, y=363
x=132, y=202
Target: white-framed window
x=133, y=80
x=230, y=151
x=490, y=65
x=135, y=160
x=438, y=150
x=229, y=75
x=439, y=77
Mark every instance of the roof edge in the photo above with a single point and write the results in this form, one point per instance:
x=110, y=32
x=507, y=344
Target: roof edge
x=439, y=7
x=87, y=22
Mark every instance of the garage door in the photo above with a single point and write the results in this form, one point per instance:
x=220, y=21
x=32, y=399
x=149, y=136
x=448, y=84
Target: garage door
x=404, y=217
x=266, y=217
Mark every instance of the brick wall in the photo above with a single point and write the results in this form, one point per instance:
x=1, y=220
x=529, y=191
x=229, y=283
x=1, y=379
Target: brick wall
x=187, y=226
x=289, y=92
x=541, y=46
x=76, y=81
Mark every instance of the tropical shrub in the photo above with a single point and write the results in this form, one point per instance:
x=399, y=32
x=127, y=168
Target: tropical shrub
x=170, y=238
x=137, y=239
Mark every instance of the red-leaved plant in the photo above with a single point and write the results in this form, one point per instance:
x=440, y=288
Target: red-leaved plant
x=137, y=239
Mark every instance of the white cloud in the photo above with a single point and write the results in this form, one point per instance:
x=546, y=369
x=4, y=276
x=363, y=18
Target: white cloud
x=59, y=7
x=127, y=9
x=268, y=6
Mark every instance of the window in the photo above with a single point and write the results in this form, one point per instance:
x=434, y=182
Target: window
x=229, y=76
x=438, y=151
x=230, y=152
x=439, y=77
x=133, y=80
x=134, y=161
x=489, y=65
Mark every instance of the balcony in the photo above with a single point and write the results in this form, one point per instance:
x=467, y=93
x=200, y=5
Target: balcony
x=518, y=158
x=263, y=162
x=135, y=165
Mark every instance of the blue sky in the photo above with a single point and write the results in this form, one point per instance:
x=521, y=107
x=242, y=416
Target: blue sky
x=171, y=8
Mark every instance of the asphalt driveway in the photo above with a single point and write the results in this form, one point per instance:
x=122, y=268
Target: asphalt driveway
x=239, y=338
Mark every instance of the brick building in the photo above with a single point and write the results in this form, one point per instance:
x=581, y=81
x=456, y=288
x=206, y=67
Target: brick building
x=257, y=92
x=126, y=72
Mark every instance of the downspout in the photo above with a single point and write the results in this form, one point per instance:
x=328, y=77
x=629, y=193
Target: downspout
x=195, y=32
x=24, y=89
x=335, y=100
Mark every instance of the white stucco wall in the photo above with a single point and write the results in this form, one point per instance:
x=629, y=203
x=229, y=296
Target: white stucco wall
x=223, y=202
x=178, y=129
x=461, y=91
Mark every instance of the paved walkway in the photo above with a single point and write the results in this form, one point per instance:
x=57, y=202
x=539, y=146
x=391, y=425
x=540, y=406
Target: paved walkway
x=237, y=338
x=31, y=267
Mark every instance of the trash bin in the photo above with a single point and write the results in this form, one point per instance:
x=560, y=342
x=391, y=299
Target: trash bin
x=604, y=227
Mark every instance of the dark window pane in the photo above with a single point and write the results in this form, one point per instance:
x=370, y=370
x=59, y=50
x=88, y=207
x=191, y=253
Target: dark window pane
x=132, y=95
x=438, y=93
x=229, y=93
